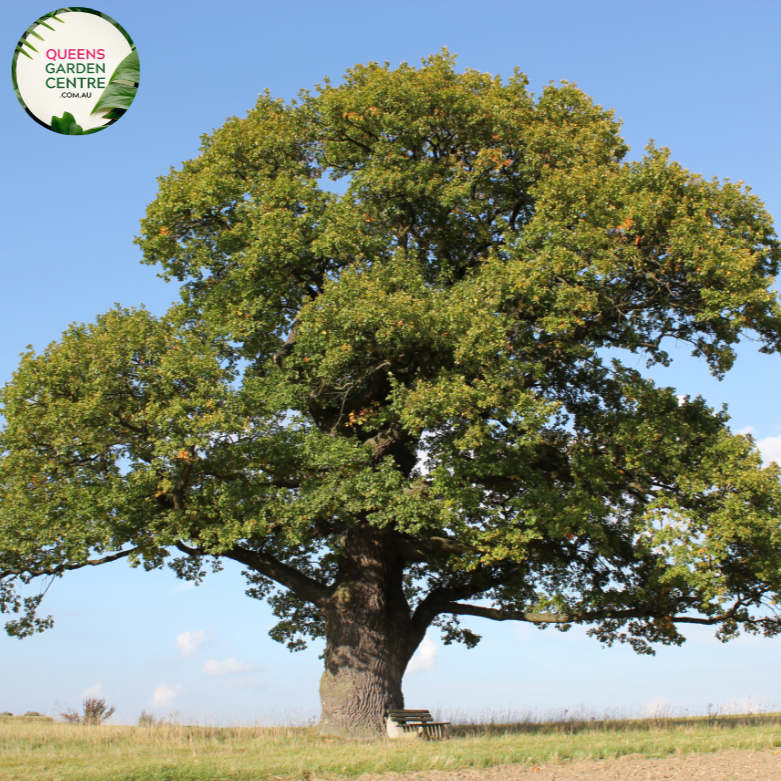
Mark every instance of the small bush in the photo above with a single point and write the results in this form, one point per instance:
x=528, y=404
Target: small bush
x=71, y=716
x=33, y=713
x=95, y=712
x=147, y=719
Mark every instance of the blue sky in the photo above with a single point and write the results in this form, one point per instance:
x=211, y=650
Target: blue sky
x=699, y=77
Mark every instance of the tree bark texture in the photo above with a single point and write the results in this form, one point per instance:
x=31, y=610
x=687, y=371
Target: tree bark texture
x=369, y=637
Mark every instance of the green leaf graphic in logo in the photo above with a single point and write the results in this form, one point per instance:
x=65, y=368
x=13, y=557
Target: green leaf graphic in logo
x=122, y=87
x=128, y=70
x=66, y=124
x=23, y=42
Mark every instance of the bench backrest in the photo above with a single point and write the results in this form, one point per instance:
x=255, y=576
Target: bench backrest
x=410, y=716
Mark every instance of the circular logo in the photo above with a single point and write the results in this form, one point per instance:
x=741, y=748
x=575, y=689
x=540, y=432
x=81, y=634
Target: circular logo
x=75, y=71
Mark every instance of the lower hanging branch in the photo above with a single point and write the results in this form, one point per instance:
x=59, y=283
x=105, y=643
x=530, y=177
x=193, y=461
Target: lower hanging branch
x=11, y=601
x=27, y=573
x=496, y=614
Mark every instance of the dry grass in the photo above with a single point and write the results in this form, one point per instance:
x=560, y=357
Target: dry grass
x=63, y=752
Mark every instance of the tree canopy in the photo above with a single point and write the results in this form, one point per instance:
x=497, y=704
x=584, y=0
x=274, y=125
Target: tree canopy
x=402, y=399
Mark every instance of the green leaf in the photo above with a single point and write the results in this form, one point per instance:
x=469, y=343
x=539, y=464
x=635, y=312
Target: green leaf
x=115, y=113
x=116, y=96
x=32, y=32
x=26, y=43
x=66, y=124
x=128, y=70
x=20, y=50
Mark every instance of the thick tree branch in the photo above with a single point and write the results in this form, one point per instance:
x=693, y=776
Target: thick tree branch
x=287, y=347
x=422, y=550
x=177, y=492
x=385, y=441
x=430, y=607
x=60, y=568
x=494, y=614
x=190, y=551
x=287, y=576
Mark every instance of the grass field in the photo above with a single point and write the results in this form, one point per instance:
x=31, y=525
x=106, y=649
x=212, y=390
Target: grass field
x=53, y=751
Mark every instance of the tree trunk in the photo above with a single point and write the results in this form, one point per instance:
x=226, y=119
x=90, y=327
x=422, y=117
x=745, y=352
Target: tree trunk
x=369, y=637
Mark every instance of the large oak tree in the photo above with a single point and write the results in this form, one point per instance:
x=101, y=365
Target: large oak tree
x=408, y=404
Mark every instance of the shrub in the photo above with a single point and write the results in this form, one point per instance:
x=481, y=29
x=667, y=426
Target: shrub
x=146, y=719
x=95, y=712
x=71, y=716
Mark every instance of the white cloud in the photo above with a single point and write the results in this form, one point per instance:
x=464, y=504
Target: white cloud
x=93, y=691
x=226, y=667
x=425, y=657
x=189, y=642
x=770, y=448
x=164, y=695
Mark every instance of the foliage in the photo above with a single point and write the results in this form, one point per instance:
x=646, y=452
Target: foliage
x=71, y=716
x=95, y=712
x=442, y=353
x=122, y=87
x=24, y=42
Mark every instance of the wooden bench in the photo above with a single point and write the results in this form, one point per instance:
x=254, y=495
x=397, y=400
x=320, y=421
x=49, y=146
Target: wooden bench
x=414, y=724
